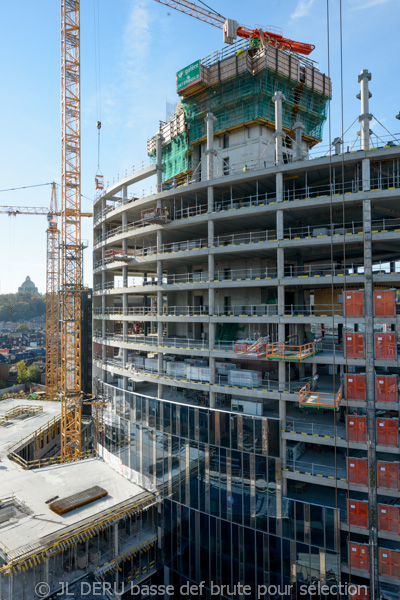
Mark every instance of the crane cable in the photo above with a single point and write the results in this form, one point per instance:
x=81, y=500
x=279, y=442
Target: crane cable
x=96, y=36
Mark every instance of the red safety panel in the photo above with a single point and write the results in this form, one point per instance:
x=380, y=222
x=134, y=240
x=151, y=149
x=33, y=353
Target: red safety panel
x=386, y=432
x=386, y=388
x=388, y=475
x=389, y=562
x=385, y=303
x=358, y=513
x=385, y=346
x=359, y=556
x=356, y=429
x=358, y=592
x=355, y=387
x=354, y=345
x=357, y=470
x=389, y=518
x=354, y=304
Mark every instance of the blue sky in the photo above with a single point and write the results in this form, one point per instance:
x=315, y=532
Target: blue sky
x=141, y=45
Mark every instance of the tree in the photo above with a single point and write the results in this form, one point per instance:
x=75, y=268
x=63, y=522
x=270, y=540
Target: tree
x=22, y=372
x=33, y=373
x=23, y=327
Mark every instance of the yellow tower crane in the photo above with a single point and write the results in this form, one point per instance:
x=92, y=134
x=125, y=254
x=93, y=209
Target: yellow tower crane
x=71, y=246
x=52, y=284
x=52, y=301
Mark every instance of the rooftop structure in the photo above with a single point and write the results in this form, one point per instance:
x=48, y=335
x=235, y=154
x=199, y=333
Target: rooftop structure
x=245, y=333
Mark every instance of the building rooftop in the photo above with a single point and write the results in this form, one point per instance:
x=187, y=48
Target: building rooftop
x=27, y=524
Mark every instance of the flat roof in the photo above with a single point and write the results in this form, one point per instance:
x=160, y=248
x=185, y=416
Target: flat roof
x=36, y=526
x=18, y=428
x=34, y=488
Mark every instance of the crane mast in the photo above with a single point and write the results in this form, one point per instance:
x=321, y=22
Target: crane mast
x=52, y=299
x=71, y=247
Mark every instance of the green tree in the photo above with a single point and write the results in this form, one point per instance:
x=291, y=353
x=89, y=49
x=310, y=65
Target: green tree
x=22, y=372
x=23, y=327
x=33, y=373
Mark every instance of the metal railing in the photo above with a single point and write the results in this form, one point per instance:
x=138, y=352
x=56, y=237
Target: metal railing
x=314, y=429
x=317, y=470
x=313, y=399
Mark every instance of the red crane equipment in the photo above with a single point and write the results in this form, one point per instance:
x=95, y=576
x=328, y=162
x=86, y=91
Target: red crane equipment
x=232, y=29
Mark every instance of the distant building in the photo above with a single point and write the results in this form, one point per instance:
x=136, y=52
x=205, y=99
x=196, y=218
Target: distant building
x=28, y=287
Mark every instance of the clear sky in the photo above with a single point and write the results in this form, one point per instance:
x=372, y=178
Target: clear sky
x=139, y=45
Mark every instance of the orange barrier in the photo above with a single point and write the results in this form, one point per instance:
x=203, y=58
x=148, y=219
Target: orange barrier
x=313, y=399
x=280, y=351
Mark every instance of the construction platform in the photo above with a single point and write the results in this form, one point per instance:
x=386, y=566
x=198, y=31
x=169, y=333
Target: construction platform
x=111, y=537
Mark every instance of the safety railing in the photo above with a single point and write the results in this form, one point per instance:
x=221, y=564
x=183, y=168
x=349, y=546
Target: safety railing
x=24, y=409
x=314, y=429
x=282, y=351
x=309, y=310
x=319, y=400
x=52, y=460
x=315, y=469
x=247, y=310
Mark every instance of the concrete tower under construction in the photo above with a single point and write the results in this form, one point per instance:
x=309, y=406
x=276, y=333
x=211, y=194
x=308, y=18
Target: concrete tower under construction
x=245, y=335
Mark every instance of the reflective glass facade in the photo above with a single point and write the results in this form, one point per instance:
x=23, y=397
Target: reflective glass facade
x=224, y=520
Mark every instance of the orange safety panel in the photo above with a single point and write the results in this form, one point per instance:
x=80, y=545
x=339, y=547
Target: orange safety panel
x=355, y=387
x=357, y=470
x=354, y=345
x=357, y=429
x=386, y=388
x=389, y=562
x=358, y=513
x=385, y=346
x=386, y=432
x=388, y=475
x=359, y=556
x=389, y=518
x=385, y=303
x=354, y=304
x=358, y=592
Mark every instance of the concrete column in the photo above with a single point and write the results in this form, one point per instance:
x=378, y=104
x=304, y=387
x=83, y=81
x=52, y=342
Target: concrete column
x=279, y=187
x=365, y=116
x=125, y=325
x=210, y=152
x=298, y=128
x=124, y=194
x=124, y=221
x=159, y=167
x=125, y=276
x=337, y=144
x=279, y=224
x=278, y=98
x=210, y=199
x=370, y=395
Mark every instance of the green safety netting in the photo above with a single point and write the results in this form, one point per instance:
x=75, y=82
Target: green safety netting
x=248, y=98
x=239, y=100
x=175, y=156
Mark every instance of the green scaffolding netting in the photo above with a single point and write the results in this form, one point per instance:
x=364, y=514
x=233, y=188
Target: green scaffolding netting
x=248, y=97
x=239, y=100
x=175, y=156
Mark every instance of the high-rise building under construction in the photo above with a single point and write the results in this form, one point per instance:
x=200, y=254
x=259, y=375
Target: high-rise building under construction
x=245, y=334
